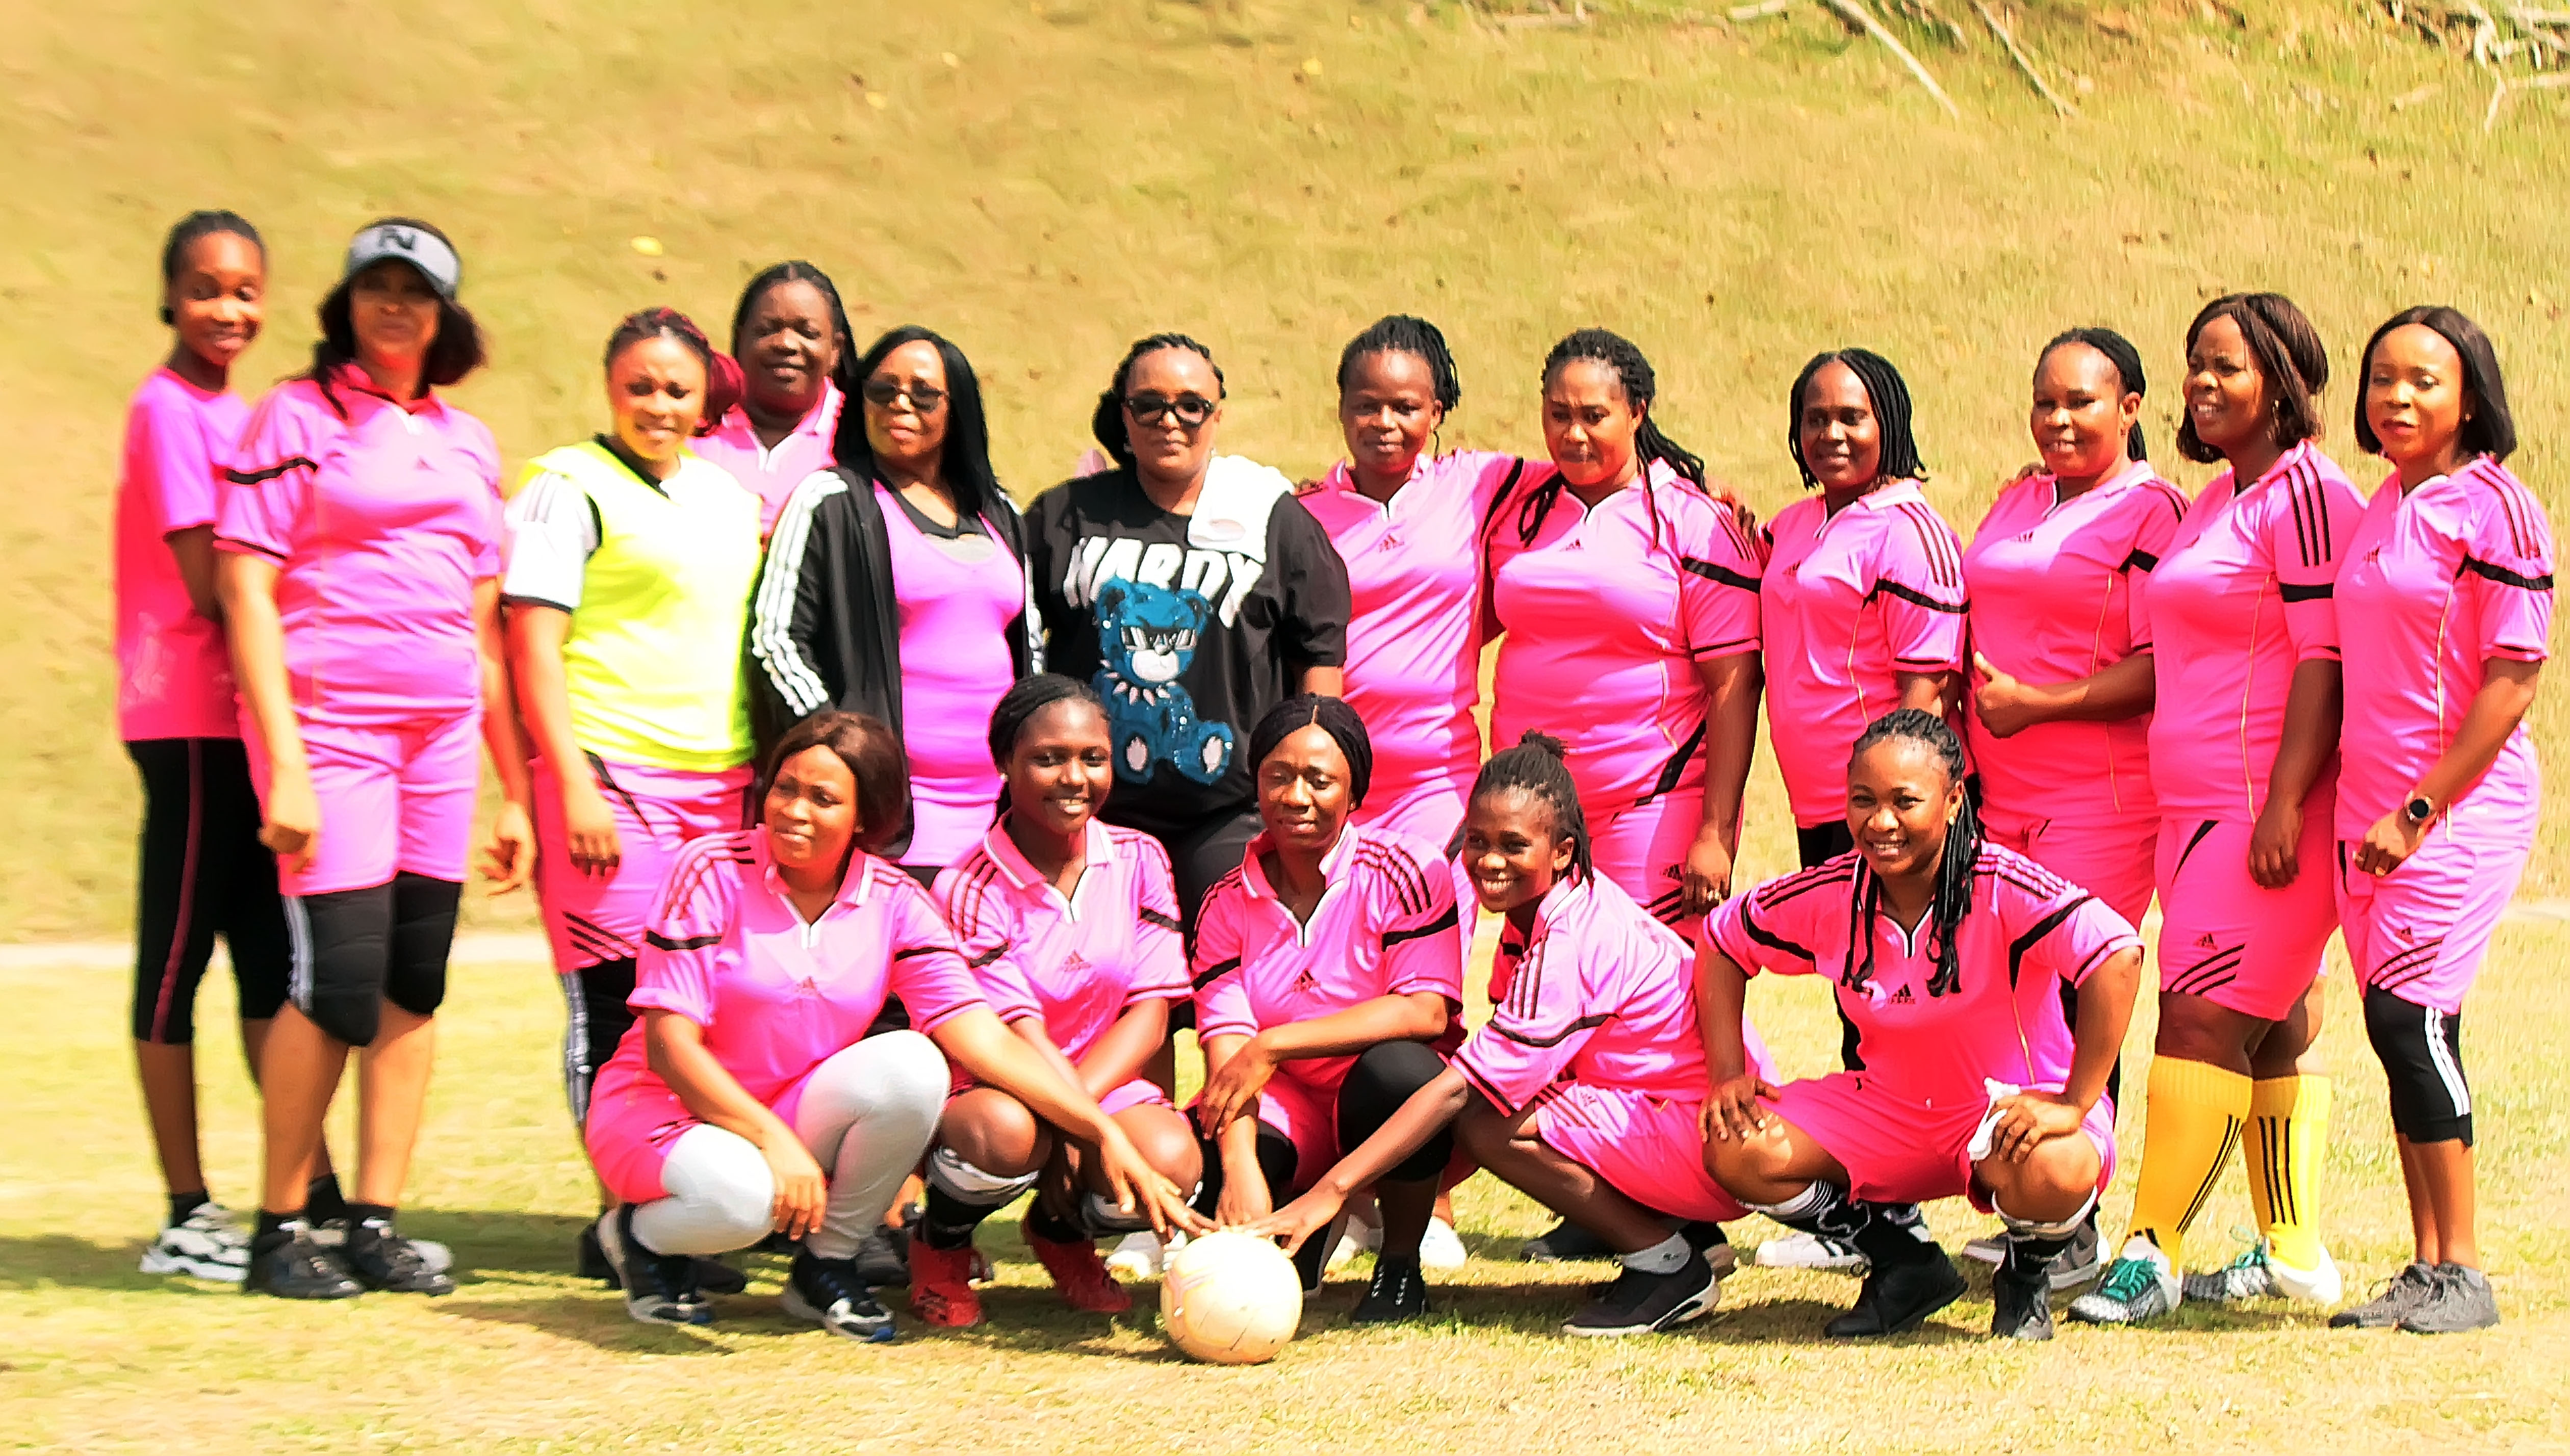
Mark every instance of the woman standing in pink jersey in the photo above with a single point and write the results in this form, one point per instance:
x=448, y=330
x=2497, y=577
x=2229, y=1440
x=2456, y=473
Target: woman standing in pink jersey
x=2243, y=748
x=630, y=566
x=790, y=335
x=1629, y=597
x=360, y=585
x=2445, y=614
x=1070, y=927
x=751, y=1099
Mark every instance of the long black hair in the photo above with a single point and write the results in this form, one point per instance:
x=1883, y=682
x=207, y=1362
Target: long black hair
x=794, y=270
x=457, y=350
x=1954, y=870
x=1106, y=422
x=2127, y=361
x=203, y=223
x=1641, y=386
x=1886, y=390
x=2490, y=429
x=1538, y=766
x=2290, y=359
x=967, y=462
x=1402, y=333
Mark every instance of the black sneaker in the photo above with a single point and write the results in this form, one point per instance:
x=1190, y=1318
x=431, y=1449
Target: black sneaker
x=2391, y=1303
x=713, y=1276
x=1641, y=1303
x=289, y=1266
x=827, y=1292
x=1900, y=1297
x=2459, y=1299
x=588, y=1259
x=1313, y=1258
x=2021, y=1303
x=1398, y=1291
x=1564, y=1242
x=380, y=1259
x=883, y=1259
x=660, y=1288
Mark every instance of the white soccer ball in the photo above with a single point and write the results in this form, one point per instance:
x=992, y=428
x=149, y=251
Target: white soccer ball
x=1230, y=1299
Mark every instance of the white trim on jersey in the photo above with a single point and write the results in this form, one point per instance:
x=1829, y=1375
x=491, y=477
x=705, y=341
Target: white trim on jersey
x=553, y=531
x=771, y=620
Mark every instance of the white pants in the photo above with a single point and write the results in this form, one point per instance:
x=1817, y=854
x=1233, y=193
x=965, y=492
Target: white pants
x=866, y=1117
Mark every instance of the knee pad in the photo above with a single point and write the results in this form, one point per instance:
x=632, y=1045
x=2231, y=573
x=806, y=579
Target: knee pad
x=2060, y=1229
x=968, y=1185
x=423, y=934
x=1101, y=1218
x=2421, y=1049
x=342, y=942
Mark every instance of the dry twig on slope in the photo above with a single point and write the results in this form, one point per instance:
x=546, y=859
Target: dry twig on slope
x=1872, y=26
x=1991, y=19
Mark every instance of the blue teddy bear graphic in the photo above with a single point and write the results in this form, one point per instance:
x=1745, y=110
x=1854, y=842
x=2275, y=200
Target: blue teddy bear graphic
x=1148, y=635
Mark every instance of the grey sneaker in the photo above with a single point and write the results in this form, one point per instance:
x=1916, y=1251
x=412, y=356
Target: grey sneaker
x=2249, y=1276
x=2459, y=1299
x=207, y=1245
x=2392, y=1301
x=2138, y=1286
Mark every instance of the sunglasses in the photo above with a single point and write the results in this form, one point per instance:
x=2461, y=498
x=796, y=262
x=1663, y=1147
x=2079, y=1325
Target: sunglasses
x=1154, y=410
x=882, y=392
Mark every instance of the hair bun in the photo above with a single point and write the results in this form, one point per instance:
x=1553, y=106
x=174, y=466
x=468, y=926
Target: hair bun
x=1545, y=743
x=725, y=386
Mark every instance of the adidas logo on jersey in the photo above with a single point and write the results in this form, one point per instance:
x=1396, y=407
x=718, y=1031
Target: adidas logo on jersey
x=1902, y=997
x=2203, y=941
x=1074, y=964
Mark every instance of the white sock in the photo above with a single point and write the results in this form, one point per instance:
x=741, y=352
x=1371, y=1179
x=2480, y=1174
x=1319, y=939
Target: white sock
x=1664, y=1258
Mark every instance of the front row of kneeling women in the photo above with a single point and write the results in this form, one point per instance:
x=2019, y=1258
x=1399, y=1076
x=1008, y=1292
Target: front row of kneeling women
x=1617, y=1081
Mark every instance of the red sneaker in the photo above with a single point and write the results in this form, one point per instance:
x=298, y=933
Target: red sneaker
x=940, y=1286
x=1079, y=1274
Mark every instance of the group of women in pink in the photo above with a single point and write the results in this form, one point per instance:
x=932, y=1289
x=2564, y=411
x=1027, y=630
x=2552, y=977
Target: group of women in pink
x=885, y=834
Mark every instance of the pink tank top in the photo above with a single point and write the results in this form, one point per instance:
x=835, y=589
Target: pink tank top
x=957, y=599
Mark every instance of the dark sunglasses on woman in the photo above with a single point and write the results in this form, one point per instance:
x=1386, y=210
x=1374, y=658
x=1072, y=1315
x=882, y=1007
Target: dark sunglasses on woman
x=882, y=392
x=1152, y=410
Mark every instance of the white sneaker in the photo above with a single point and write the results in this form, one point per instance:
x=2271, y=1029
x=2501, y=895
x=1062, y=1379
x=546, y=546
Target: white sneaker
x=1441, y=1248
x=1811, y=1251
x=1141, y=1256
x=1351, y=1244
x=207, y=1245
x=2319, y=1285
x=2139, y=1285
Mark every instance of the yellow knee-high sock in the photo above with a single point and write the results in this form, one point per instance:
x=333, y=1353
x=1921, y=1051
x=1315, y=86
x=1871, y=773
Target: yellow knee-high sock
x=2194, y=1118
x=2287, y=1132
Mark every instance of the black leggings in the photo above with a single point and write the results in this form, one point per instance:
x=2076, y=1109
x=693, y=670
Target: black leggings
x=1385, y=1076
x=355, y=949
x=203, y=874
x=595, y=1020
x=1816, y=844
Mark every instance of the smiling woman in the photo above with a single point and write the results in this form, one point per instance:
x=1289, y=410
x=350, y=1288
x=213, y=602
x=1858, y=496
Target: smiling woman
x=790, y=335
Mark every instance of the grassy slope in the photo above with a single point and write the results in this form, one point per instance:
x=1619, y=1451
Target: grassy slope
x=1267, y=176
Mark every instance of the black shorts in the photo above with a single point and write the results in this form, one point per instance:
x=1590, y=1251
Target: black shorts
x=1197, y=858
x=203, y=874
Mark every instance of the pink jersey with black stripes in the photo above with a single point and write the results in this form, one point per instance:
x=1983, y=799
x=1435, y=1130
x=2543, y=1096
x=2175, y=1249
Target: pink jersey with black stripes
x=2239, y=600
x=1607, y=613
x=2054, y=585
x=1600, y=993
x=1926, y=1040
x=174, y=669
x=1386, y=927
x=1847, y=602
x=1415, y=634
x=1078, y=963
x=2438, y=581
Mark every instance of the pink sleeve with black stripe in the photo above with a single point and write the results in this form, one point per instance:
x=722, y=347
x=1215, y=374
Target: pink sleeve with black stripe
x=928, y=970
x=1534, y=1030
x=1159, y=953
x=268, y=485
x=683, y=941
x=2162, y=506
x=1778, y=927
x=1719, y=568
x=2311, y=515
x=1919, y=577
x=989, y=933
x=1222, y=1000
x=2507, y=572
x=1416, y=914
x=2054, y=928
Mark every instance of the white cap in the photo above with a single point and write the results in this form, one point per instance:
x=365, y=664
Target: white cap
x=412, y=245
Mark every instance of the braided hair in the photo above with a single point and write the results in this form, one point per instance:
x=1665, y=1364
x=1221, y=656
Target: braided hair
x=1634, y=374
x=1024, y=698
x=207, y=222
x=1886, y=390
x=2290, y=358
x=723, y=374
x=1539, y=767
x=795, y=271
x=1108, y=421
x=2126, y=359
x=1954, y=868
x=1402, y=333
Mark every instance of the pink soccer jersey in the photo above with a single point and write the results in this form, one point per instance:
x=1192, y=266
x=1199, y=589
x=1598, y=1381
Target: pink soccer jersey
x=775, y=996
x=1926, y=1042
x=956, y=609
x=1413, y=636
x=772, y=475
x=380, y=523
x=1386, y=927
x=2438, y=581
x=174, y=671
x=1607, y=612
x=2053, y=587
x=1600, y=995
x=1079, y=963
x=1849, y=602
x=2239, y=600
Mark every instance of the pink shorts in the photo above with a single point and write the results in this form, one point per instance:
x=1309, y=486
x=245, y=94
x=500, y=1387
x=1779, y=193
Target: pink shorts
x=393, y=800
x=2113, y=862
x=2419, y=932
x=1643, y=849
x=1137, y=1093
x=1649, y=1149
x=2230, y=941
x=657, y=810
x=634, y=1120
x=1308, y=1117
x=1897, y=1151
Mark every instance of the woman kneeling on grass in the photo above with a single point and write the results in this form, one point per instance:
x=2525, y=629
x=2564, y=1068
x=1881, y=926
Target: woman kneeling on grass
x=1583, y=1090
x=748, y=1097
x=1973, y=1084
x=1071, y=929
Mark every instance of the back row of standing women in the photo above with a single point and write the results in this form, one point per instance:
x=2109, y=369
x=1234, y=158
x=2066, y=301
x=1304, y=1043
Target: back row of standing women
x=2151, y=689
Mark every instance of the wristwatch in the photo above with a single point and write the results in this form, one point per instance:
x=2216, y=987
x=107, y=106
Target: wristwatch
x=2419, y=809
